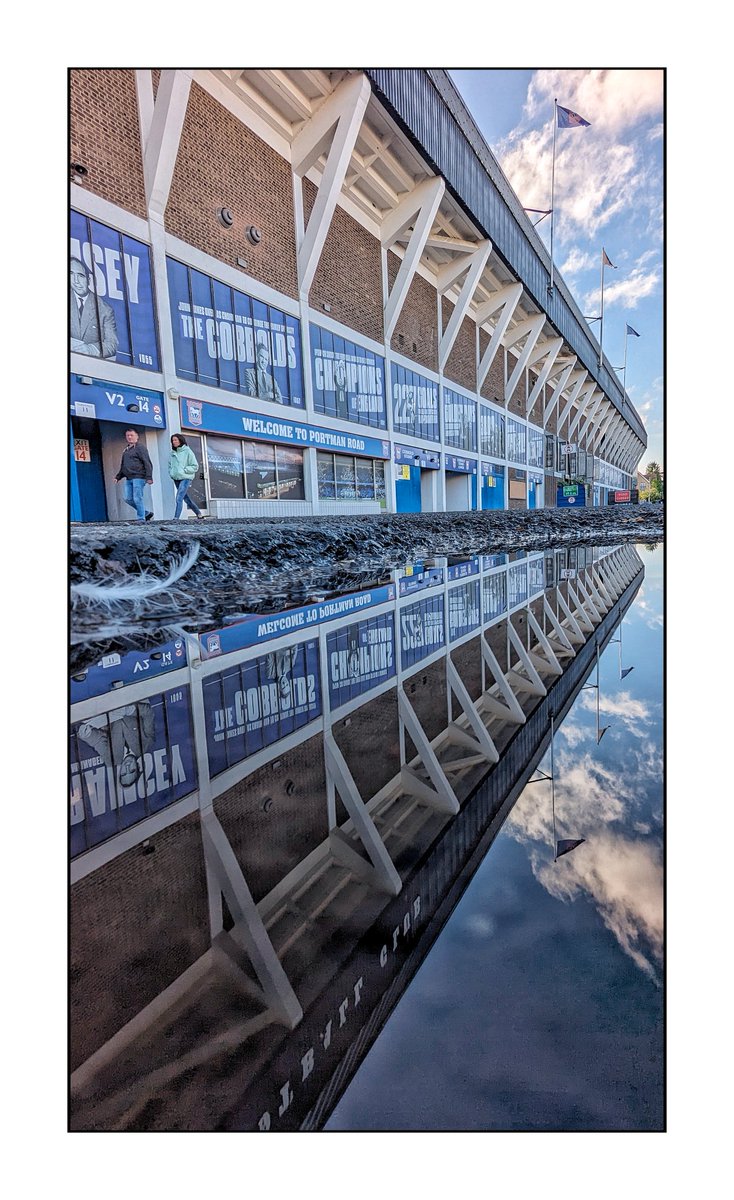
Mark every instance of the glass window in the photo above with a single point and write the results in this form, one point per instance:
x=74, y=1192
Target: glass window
x=492, y=429
x=365, y=479
x=379, y=480
x=325, y=476
x=346, y=484
x=517, y=584
x=226, y=478
x=535, y=447
x=260, y=471
x=290, y=473
x=516, y=441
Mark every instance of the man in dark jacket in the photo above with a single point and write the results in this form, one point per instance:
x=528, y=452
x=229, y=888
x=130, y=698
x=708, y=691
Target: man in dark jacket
x=137, y=470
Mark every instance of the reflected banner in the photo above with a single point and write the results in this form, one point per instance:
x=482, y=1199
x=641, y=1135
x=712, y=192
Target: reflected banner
x=421, y=630
x=256, y=703
x=464, y=610
x=361, y=657
x=129, y=763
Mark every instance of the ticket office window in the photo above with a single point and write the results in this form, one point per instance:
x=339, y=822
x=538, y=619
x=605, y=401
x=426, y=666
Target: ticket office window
x=240, y=470
x=344, y=477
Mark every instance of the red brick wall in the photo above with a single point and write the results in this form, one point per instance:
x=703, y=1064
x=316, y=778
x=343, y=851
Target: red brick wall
x=416, y=331
x=348, y=275
x=516, y=402
x=136, y=924
x=461, y=363
x=549, y=495
x=105, y=135
x=370, y=743
x=493, y=387
x=220, y=164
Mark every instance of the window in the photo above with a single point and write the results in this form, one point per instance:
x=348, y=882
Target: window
x=535, y=447
x=253, y=470
x=494, y=595
x=342, y=477
x=289, y=466
x=516, y=441
x=226, y=477
x=260, y=471
x=492, y=432
x=415, y=404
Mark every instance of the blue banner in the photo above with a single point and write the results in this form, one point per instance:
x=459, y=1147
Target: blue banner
x=256, y=703
x=494, y=595
x=517, y=584
x=348, y=380
x=116, y=402
x=570, y=495
x=536, y=575
x=422, y=630
x=216, y=418
x=464, y=610
x=115, y=670
x=462, y=570
x=415, y=404
x=227, y=339
x=129, y=763
x=111, y=306
x=466, y=466
x=361, y=657
x=428, y=459
x=493, y=560
x=420, y=580
x=460, y=420
x=259, y=628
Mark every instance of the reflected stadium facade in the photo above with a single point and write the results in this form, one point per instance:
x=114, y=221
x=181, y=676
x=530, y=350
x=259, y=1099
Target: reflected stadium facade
x=271, y=822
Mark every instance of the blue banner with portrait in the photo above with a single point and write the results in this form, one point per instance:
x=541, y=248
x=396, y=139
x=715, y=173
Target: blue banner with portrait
x=111, y=309
x=227, y=339
x=460, y=420
x=361, y=656
x=348, y=379
x=128, y=763
x=422, y=630
x=415, y=404
x=256, y=703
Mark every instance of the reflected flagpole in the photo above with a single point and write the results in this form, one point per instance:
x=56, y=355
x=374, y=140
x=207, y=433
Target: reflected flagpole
x=605, y=262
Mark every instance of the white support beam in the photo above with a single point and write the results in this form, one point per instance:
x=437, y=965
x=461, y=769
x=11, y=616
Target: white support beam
x=575, y=632
x=582, y=616
x=482, y=741
x=504, y=302
x=587, y=601
x=558, y=629
x=531, y=330
x=551, y=662
x=160, y=132
x=441, y=796
x=418, y=209
x=602, y=427
x=380, y=871
x=511, y=710
x=592, y=409
x=551, y=349
x=558, y=388
x=333, y=130
x=474, y=265
x=578, y=381
x=586, y=401
x=249, y=931
x=533, y=683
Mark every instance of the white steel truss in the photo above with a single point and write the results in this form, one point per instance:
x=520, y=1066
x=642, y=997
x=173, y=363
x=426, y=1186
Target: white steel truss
x=474, y=264
x=504, y=302
x=530, y=329
x=161, y=122
x=562, y=375
x=550, y=350
x=418, y=209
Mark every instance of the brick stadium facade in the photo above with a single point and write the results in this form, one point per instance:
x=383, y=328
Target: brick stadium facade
x=392, y=321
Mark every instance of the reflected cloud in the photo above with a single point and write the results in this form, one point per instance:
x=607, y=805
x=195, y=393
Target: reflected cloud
x=633, y=714
x=480, y=924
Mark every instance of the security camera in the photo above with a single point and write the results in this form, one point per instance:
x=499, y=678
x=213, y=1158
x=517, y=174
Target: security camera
x=78, y=172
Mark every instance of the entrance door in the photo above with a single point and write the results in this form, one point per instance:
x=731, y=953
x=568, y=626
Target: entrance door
x=408, y=490
x=87, y=466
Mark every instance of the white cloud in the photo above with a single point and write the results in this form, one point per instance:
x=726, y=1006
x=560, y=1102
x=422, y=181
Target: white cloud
x=613, y=100
x=577, y=262
x=627, y=292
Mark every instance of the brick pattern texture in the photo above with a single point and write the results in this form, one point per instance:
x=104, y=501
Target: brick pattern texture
x=105, y=135
x=371, y=743
x=135, y=925
x=416, y=331
x=493, y=387
x=461, y=365
x=222, y=164
x=348, y=274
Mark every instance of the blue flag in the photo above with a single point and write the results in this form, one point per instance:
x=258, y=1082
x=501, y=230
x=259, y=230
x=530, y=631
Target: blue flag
x=567, y=119
x=565, y=845
x=632, y=331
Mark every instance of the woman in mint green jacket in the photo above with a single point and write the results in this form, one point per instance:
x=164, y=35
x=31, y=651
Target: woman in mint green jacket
x=183, y=469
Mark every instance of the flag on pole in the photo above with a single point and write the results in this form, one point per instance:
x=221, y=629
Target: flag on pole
x=567, y=844
x=606, y=261
x=632, y=331
x=567, y=119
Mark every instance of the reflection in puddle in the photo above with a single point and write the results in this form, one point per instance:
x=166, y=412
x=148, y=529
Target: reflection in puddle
x=276, y=816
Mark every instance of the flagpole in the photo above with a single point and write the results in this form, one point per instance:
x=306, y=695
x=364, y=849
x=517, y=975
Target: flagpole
x=553, y=187
x=601, y=318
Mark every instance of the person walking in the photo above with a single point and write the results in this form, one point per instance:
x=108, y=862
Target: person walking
x=137, y=470
x=183, y=469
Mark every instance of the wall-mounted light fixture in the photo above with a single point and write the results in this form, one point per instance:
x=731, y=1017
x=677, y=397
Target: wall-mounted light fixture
x=78, y=172
x=326, y=306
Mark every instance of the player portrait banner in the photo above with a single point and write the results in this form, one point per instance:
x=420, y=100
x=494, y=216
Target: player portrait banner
x=421, y=630
x=460, y=420
x=227, y=339
x=517, y=584
x=464, y=610
x=256, y=703
x=111, y=312
x=494, y=595
x=129, y=763
x=348, y=379
x=415, y=404
x=361, y=656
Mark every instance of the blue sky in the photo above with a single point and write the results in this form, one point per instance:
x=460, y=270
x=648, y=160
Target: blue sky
x=608, y=193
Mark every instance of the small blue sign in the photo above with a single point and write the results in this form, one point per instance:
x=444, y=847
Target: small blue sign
x=116, y=402
x=421, y=580
x=117, y=670
x=570, y=495
x=428, y=459
x=463, y=570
